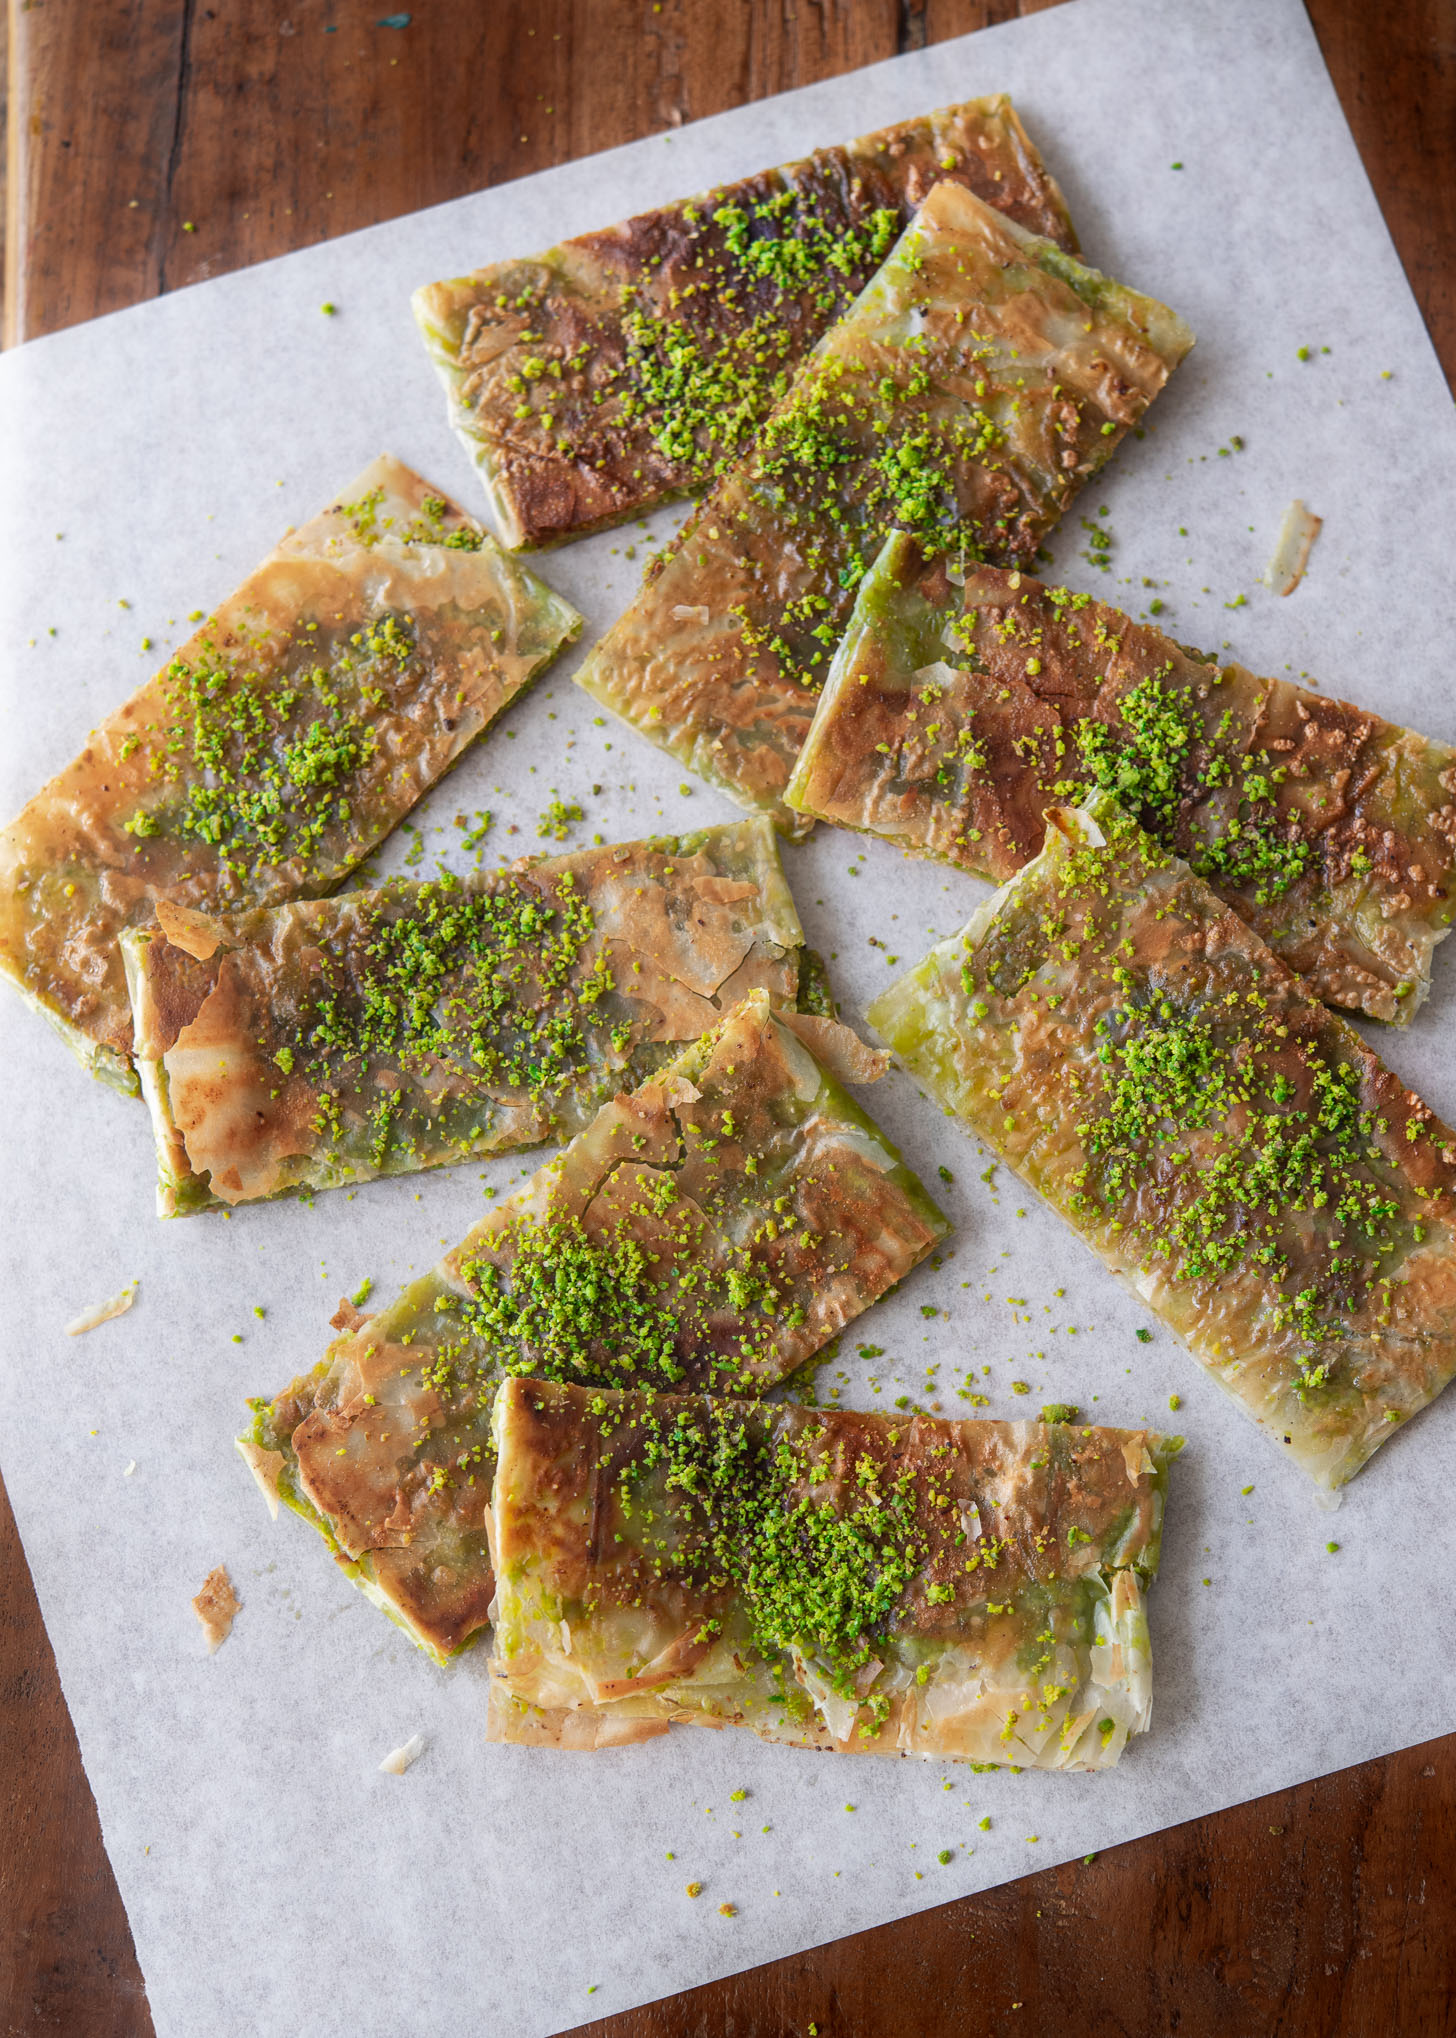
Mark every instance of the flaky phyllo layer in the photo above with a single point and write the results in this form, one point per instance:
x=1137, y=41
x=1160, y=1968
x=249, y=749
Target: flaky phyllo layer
x=1216, y=1135
x=290, y=733
x=972, y=389
x=631, y=364
x=962, y=705
x=959, y=1591
x=386, y=1031
x=711, y=1229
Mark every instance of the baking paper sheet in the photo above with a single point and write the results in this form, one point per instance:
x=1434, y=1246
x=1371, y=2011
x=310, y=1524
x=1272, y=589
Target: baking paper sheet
x=275, y=1879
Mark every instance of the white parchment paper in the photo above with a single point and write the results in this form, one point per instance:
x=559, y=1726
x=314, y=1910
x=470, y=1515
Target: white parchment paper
x=276, y=1881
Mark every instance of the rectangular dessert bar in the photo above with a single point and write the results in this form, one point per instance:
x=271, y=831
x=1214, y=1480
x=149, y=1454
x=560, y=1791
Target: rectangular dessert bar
x=712, y=1228
x=334, y=1040
x=881, y=1585
x=960, y=707
x=628, y=365
x=290, y=733
x=1216, y=1135
x=977, y=383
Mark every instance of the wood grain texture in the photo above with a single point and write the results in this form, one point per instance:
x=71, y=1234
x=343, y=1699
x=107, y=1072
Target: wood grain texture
x=1319, y=1911
x=155, y=142
x=66, y=1958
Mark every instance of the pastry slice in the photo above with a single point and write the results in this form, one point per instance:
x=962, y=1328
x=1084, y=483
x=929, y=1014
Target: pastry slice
x=1216, y=1135
x=880, y=1585
x=972, y=389
x=959, y=708
x=333, y=1040
x=628, y=365
x=712, y=1228
x=289, y=734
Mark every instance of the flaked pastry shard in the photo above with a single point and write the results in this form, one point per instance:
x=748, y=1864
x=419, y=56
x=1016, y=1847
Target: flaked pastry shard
x=334, y=1040
x=1215, y=1134
x=882, y=1585
x=961, y=707
x=973, y=388
x=712, y=1228
x=216, y=1607
x=628, y=365
x=290, y=733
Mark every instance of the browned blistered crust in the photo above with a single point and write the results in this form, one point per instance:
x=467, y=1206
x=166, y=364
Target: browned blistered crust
x=970, y=393
x=1276, y=1194
x=742, y=1157
x=1028, y=1482
x=664, y=936
x=954, y=719
x=579, y=458
x=464, y=629
x=620, y=1601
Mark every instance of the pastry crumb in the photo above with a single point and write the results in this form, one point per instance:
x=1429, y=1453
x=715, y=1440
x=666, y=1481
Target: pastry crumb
x=265, y=1467
x=216, y=1607
x=398, y=1760
x=1296, y=538
x=102, y=1312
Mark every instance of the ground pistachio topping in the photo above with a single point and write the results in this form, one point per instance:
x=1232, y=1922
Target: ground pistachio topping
x=262, y=772
x=812, y=1575
x=895, y=1586
x=409, y=1025
x=710, y=1230
x=1157, y=754
x=482, y=981
x=548, y=1299
x=962, y=707
x=434, y=523
x=704, y=387
x=1281, y=1137
x=633, y=364
x=298, y=724
x=1220, y=1138
x=951, y=404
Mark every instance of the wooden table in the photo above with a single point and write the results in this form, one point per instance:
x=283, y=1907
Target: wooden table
x=154, y=142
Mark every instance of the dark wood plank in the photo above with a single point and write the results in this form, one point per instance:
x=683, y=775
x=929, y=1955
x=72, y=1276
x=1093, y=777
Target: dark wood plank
x=1321, y=1910
x=66, y=1958
x=1395, y=71
x=161, y=141
x=154, y=142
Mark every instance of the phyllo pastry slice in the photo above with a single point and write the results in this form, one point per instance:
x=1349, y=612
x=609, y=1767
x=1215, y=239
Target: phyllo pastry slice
x=973, y=388
x=381, y=1032
x=628, y=365
x=713, y=1228
x=960, y=707
x=290, y=733
x=1217, y=1136
x=882, y=1585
